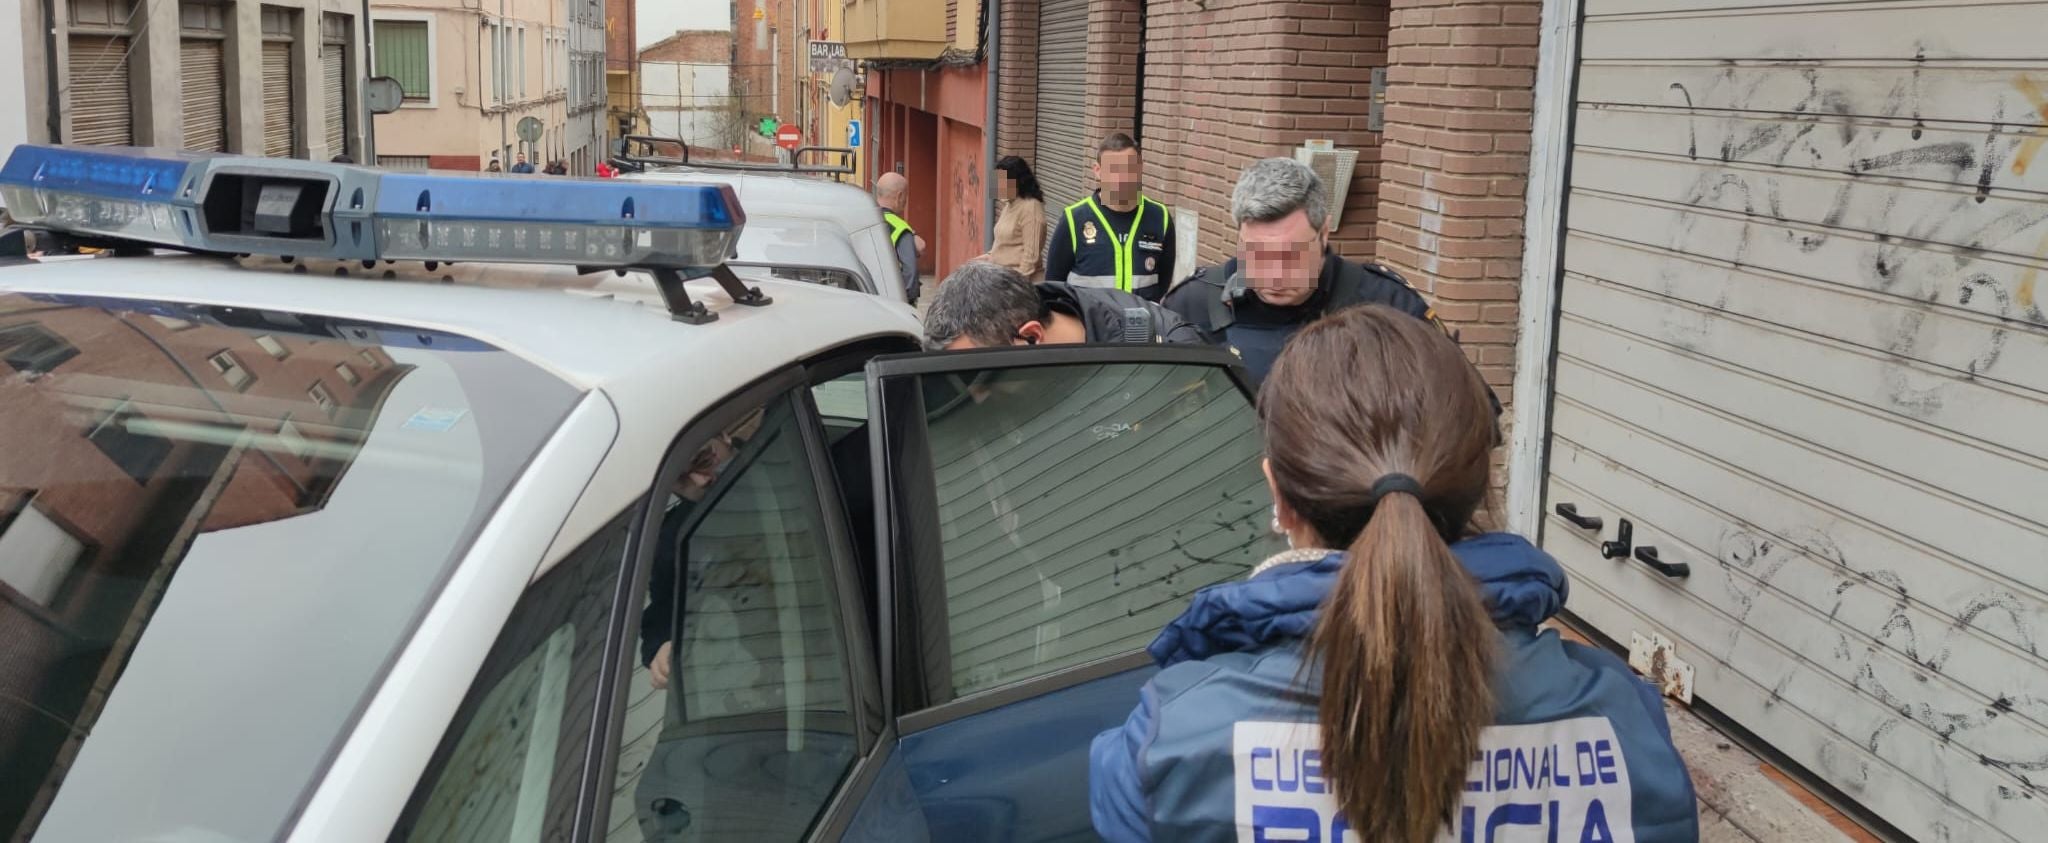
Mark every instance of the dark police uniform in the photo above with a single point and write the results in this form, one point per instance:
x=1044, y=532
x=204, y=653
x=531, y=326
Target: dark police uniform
x=1132, y=251
x=1229, y=314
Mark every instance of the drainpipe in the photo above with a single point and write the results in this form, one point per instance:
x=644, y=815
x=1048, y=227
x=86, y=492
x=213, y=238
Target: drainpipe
x=498, y=72
x=368, y=68
x=991, y=66
x=56, y=116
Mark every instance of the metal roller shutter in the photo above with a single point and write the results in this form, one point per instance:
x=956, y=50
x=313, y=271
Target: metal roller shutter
x=334, y=70
x=202, y=86
x=279, y=135
x=1064, y=150
x=100, y=109
x=1801, y=347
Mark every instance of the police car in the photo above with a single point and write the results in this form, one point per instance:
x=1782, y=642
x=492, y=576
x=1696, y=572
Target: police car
x=309, y=536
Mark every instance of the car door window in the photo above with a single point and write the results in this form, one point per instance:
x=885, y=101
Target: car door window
x=1072, y=510
x=510, y=764
x=738, y=721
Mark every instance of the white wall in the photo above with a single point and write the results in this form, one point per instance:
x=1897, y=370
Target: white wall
x=13, y=86
x=682, y=99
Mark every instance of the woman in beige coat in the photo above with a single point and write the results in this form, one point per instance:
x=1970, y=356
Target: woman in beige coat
x=1020, y=227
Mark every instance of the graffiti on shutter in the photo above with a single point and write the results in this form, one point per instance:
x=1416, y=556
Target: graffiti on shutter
x=1063, y=152
x=201, y=84
x=100, y=111
x=1802, y=347
x=278, y=134
x=333, y=65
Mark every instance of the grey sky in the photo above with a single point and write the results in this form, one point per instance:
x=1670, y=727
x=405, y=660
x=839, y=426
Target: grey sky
x=658, y=19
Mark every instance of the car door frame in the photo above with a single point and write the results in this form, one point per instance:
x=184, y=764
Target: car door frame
x=902, y=544
x=788, y=383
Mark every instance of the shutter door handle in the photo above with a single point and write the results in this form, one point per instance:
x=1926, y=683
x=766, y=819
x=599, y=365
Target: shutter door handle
x=1675, y=570
x=1623, y=544
x=1570, y=512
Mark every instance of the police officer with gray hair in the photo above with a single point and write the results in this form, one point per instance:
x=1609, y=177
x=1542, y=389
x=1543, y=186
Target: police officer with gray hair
x=987, y=305
x=1285, y=275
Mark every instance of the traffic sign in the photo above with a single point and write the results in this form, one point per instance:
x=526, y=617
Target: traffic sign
x=853, y=133
x=788, y=136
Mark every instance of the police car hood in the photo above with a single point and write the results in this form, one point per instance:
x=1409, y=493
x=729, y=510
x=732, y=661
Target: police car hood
x=1522, y=585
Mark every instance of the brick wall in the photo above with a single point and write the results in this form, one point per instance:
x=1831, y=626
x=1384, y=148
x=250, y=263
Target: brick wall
x=692, y=46
x=1242, y=80
x=754, y=60
x=1017, y=79
x=1455, y=164
x=1112, y=99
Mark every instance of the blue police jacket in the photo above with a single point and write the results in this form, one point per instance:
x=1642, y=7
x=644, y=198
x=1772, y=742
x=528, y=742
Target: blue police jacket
x=1223, y=744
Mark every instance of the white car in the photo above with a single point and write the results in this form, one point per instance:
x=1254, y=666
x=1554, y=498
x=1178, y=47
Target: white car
x=299, y=551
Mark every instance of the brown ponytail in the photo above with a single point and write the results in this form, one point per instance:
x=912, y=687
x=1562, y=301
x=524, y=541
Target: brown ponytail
x=1405, y=644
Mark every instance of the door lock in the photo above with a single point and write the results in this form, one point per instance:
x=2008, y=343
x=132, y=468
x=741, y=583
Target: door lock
x=1623, y=544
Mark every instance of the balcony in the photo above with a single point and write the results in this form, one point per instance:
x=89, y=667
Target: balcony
x=900, y=29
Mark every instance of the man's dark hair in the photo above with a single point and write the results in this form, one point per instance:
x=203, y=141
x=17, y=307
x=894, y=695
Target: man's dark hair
x=984, y=302
x=1116, y=142
x=341, y=159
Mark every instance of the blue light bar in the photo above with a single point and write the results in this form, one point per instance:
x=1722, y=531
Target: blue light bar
x=265, y=206
x=126, y=193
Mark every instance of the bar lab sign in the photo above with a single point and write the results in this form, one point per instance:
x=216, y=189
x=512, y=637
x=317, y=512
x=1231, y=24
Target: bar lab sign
x=828, y=56
x=1560, y=782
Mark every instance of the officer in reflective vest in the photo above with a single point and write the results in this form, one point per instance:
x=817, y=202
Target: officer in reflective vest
x=891, y=191
x=1116, y=238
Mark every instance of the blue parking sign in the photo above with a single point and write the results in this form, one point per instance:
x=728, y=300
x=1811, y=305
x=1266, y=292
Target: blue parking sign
x=853, y=133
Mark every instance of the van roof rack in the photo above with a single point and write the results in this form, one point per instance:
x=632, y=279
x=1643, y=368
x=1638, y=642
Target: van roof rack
x=638, y=152
x=135, y=198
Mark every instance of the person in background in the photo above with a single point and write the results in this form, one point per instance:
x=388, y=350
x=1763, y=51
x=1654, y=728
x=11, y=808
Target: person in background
x=1116, y=237
x=1020, y=226
x=988, y=305
x=1366, y=670
x=521, y=166
x=556, y=168
x=892, y=192
x=343, y=158
x=493, y=166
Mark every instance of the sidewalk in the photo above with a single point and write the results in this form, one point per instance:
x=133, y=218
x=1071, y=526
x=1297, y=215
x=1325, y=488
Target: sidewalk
x=1743, y=799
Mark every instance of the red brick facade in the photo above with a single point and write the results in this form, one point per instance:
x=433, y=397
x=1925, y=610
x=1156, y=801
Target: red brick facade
x=1438, y=194
x=754, y=56
x=1456, y=164
x=692, y=46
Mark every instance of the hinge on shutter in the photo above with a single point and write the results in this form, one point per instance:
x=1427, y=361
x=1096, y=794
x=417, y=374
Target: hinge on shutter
x=1376, y=111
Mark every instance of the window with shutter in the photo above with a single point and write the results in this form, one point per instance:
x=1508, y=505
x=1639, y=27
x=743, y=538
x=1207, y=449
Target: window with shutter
x=402, y=54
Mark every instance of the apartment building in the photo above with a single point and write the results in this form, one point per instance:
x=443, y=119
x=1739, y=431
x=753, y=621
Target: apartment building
x=269, y=78
x=473, y=76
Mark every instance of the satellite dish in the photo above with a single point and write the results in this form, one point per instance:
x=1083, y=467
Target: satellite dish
x=842, y=86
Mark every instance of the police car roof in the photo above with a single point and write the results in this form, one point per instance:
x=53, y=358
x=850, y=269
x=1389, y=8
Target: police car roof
x=598, y=330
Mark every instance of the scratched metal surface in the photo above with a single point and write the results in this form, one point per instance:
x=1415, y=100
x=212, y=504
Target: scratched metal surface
x=1803, y=348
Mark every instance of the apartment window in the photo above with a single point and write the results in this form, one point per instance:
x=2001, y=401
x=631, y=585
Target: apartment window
x=174, y=323
x=322, y=397
x=371, y=360
x=37, y=553
x=289, y=436
x=230, y=369
x=522, y=61
x=137, y=453
x=271, y=346
x=347, y=374
x=403, y=52
x=32, y=349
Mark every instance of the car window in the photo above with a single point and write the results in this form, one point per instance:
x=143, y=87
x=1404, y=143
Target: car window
x=201, y=573
x=1077, y=508
x=738, y=724
x=510, y=763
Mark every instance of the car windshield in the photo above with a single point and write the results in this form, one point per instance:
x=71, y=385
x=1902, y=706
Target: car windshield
x=217, y=527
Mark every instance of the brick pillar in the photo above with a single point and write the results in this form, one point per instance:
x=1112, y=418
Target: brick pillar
x=1112, y=101
x=1454, y=164
x=1017, y=82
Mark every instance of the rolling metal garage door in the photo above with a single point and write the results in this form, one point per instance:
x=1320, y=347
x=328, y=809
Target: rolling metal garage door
x=100, y=109
x=279, y=134
x=1064, y=150
x=1802, y=348
x=334, y=73
x=202, y=84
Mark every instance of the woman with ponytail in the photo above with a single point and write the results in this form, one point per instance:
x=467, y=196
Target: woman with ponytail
x=1386, y=681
